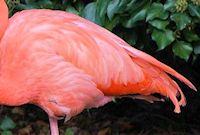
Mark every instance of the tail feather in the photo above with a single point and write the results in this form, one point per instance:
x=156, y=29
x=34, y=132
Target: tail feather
x=171, y=90
x=182, y=101
x=137, y=53
x=160, y=81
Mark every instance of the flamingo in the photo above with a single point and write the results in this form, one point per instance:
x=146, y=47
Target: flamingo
x=64, y=64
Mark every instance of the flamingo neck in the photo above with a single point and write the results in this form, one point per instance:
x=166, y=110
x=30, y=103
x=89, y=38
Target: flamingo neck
x=3, y=17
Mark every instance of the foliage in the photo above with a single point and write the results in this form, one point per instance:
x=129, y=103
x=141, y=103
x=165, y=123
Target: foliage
x=171, y=24
x=69, y=131
x=6, y=125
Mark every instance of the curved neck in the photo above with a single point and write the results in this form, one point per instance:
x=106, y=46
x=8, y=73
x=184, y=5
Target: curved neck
x=3, y=17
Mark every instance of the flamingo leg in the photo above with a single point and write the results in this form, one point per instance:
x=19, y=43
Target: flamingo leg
x=53, y=126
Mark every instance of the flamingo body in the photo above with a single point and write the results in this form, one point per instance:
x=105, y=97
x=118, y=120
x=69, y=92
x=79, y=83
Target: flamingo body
x=64, y=63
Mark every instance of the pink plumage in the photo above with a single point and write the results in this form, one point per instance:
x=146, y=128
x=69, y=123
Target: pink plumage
x=64, y=64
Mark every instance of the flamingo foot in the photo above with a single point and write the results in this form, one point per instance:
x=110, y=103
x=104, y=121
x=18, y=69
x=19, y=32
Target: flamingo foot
x=53, y=126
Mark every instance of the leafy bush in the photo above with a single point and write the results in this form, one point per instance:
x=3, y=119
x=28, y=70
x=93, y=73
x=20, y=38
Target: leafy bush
x=173, y=24
x=6, y=125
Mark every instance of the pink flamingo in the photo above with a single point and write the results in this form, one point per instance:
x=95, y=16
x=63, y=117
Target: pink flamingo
x=64, y=64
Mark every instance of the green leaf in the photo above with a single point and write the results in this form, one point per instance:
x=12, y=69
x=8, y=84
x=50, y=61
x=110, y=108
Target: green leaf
x=159, y=24
x=29, y=1
x=170, y=5
x=197, y=47
x=89, y=13
x=79, y=6
x=45, y=4
x=139, y=11
x=26, y=6
x=141, y=15
x=6, y=133
x=32, y=5
x=194, y=10
x=190, y=36
x=110, y=24
x=135, y=6
x=69, y=131
x=132, y=5
x=113, y=8
x=7, y=124
x=181, y=20
x=163, y=38
x=182, y=49
x=156, y=10
x=116, y=6
x=71, y=9
x=102, y=9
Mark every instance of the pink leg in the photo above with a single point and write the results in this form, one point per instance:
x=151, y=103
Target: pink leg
x=53, y=126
